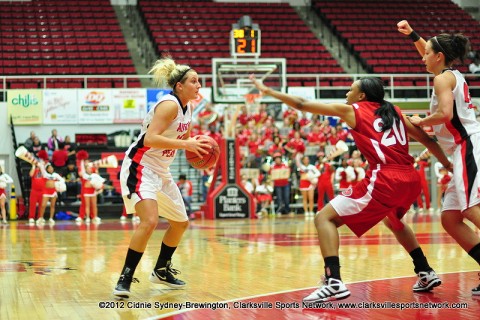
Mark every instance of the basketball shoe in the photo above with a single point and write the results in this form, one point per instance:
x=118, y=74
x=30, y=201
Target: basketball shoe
x=166, y=276
x=427, y=280
x=122, y=289
x=332, y=289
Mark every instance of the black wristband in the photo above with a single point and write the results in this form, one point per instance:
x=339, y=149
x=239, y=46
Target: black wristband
x=414, y=36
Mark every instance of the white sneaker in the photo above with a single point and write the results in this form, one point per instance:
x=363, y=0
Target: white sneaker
x=96, y=220
x=78, y=219
x=123, y=218
x=31, y=221
x=332, y=289
x=51, y=221
x=40, y=221
x=135, y=219
x=427, y=280
x=87, y=220
x=5, y=221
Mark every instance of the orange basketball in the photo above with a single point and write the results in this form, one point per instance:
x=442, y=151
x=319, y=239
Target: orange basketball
x=209, y=159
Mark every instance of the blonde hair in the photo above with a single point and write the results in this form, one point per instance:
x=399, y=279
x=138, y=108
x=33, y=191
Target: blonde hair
x=166, y=72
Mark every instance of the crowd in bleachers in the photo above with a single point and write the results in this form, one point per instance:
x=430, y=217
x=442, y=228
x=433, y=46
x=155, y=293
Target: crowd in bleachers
x=291, y=165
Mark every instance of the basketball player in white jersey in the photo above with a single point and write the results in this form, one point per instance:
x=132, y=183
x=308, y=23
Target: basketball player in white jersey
x=148, y=188
x=458, y=132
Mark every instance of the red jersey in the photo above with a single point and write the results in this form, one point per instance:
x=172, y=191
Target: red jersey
x=38, y=181
x=316, y=138
x=378, y=147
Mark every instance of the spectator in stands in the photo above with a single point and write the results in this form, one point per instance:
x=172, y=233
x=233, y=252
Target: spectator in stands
x=54, y=141
x=186, y=189
x=36, y=193
x=254, y=158
x=308, y=183
x=296, y=127
x=374, y=199
x=60, y=158
x=244, y=117
x=72, y=180
x=263, y=195
x=5, y=180
x=147, y=185
x=36, y=146
x=71, y=147
x=295, y=146
x=261, y=115
x=453, y=118
x=280, y=175
x=304, y=121
x=49, y=192
x=474, y=66
x=277, y=146
x=290, y=116
x=29, y=142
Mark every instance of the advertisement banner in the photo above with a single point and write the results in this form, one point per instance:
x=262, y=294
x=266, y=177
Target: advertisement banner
x=129, y=105
x=95, y=106
x=60, y=106
x=153, y=95
x=25, y=106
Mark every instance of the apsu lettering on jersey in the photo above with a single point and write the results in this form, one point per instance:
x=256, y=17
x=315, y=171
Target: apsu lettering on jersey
x=182, y=127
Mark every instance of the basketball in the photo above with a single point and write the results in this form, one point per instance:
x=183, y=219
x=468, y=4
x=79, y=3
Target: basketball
x=209, y=159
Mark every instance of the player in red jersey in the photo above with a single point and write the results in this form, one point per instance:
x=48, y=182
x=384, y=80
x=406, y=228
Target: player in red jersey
x=380, y=133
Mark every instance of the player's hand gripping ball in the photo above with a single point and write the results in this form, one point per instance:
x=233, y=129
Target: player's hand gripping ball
x=209, y=160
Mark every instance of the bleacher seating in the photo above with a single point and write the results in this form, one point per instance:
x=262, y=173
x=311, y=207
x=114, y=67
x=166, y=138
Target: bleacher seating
x=54, y=37
x=194, y=32
x=369, y=27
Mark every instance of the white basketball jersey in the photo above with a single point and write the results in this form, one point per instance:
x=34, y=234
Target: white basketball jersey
x=156, y=159
x=464, y=122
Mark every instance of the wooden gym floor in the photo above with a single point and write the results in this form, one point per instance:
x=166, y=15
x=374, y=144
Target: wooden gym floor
x=238, y=269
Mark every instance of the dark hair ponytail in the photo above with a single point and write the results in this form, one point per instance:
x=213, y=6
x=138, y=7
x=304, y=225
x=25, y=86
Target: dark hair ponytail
x=374, y=92
x=453, y=46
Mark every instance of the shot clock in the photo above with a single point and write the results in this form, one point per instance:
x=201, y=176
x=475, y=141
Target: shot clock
x=245, y=38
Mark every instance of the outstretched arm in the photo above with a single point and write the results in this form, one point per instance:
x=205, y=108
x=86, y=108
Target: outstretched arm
x=405, y=28
x=343, y=111
x=432, y=146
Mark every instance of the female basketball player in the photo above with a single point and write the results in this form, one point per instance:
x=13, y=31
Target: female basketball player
x=147, y=185
x=389, y=188
x=458, y=132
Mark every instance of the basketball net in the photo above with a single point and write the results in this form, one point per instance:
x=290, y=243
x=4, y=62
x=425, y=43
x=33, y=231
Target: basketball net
x=252, y=99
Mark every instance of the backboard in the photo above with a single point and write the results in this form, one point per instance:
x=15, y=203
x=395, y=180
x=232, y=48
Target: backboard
x=231, y=82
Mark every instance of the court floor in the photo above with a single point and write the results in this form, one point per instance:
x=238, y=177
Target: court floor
x=235, y=269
